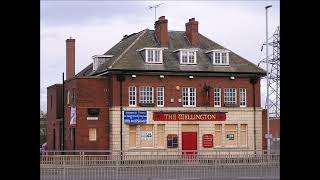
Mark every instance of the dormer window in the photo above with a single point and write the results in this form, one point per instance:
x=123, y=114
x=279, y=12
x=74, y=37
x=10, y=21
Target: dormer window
x=153, y=55
x=187, y=56
x=98, y=60
x=219, y=57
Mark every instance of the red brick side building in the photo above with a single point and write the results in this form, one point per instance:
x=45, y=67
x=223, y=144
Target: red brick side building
x=159, y=72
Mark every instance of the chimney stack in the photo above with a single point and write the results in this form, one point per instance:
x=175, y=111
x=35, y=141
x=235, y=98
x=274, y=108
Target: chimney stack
x=70, y=58
x=161, y=30
x=192, y=32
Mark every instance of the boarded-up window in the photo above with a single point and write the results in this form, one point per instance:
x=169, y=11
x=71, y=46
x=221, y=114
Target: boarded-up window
x=243, y=135
x=217, y=135
x=92, y=134
x=230, y=135
x=146, y=135
x=132, y=135
x=160, y=135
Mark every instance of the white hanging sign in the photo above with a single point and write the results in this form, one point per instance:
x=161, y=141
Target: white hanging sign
x=73, y=116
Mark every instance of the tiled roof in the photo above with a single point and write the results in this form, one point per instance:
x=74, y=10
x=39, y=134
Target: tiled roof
x=126, y=57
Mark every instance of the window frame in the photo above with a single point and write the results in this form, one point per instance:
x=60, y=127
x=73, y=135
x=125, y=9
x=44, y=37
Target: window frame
x=162, y=96
x=242, y=97
x=246, y=135
x=225, y=96
x=95, y=139
x=188, y=97
x=214, y=97
x=153, y=59
x=131, y=96
x=188, y=53
x=146, y=101
x=219, y=53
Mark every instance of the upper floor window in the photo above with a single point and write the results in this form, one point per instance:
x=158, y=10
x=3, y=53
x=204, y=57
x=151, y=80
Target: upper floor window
x=219, y=57
x=243, y=97
x=98, y=60
x=217, y=97
x=132, y=96
x=230, y=96
x=146, y=94
x=189, y=97
x=160, y=96
x=68, y=97
x=153, y=55
x=187, y=56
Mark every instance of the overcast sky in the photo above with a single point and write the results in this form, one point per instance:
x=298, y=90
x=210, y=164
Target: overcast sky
x=97, y=26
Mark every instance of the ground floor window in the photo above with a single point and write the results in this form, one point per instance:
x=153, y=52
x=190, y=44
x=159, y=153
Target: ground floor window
x=92, y=134
x=160, y=135
x=218, y=135
x=230, y=135
x=132, y=135
x=243, y=135
x=146, y=135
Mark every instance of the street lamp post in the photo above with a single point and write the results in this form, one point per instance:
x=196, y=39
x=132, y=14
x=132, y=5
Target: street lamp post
x=267, y=61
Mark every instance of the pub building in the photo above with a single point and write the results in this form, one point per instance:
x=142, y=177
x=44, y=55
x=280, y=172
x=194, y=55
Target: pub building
x=160, y=89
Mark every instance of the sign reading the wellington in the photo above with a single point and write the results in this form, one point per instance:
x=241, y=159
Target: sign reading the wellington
x=135, y=117
x=189, y=116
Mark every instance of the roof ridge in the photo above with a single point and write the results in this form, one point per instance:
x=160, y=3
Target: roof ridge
x=127, y=49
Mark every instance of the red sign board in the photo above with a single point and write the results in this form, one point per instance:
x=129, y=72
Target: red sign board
x=207, y=140
x=189, y=116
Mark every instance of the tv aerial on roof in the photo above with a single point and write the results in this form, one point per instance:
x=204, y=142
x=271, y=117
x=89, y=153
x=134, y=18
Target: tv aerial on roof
x=155, y=10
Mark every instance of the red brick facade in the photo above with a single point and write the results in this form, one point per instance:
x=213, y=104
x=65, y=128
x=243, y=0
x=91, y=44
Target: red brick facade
x=171, y=82
x=54, y=114
x=89, y=93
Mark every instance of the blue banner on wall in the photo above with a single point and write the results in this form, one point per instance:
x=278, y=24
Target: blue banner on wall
x=135, y=117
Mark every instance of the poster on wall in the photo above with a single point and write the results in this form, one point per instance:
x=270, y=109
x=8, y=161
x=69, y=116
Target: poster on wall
x=135, y=117
x=73, y=117
x=230, y=136
x=146, y=135
x=207, y=140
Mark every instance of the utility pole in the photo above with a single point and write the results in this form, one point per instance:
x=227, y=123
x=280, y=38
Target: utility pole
x=155, y=10
x=267, y=60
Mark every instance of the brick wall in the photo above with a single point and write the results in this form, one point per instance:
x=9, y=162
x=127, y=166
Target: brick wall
x=170, y=83
x=90, y=93
x=54, y=96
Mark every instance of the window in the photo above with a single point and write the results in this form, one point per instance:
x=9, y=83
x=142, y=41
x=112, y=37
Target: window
x=189, y=97
x=218, y=135
x=132, y=135
x=160, y=96
x=51, y=101
x=92, y=134
x=243, y=97
x=132, y=96
x=172, y=141
x=188, y=57
x=146, y=135
x=153, y=56
x=243, y=135
x=220, y=58
x=230, y=96
x=73, y=97
x=68, y=97
x=146, y=94
x=217, y=97
x=160, y=135
x=70, y=134
x=230, y=135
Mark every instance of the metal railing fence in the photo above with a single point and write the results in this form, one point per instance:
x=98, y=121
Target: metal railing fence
x=153, y=164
